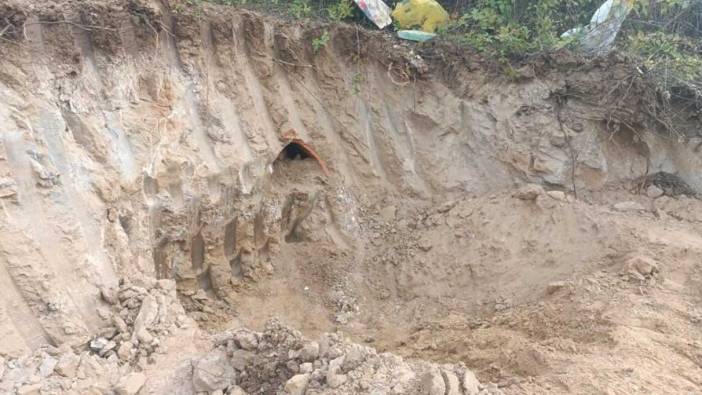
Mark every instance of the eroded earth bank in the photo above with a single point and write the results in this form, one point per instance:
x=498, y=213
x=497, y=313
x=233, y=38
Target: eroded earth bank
x=202, y=202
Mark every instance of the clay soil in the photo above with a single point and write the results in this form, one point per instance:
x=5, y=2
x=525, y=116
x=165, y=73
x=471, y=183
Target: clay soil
x=169, y=176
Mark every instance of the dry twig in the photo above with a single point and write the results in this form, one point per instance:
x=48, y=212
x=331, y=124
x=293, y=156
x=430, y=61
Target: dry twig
x=573, y=154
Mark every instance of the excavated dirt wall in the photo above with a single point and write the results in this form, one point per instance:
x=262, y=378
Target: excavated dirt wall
x=140, y=139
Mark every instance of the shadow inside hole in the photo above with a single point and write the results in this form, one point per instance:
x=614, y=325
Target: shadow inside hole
x=294, y=151
x=299, y=150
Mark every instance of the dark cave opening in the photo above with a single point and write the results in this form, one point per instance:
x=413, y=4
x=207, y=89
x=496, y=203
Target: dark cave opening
x=294, y=151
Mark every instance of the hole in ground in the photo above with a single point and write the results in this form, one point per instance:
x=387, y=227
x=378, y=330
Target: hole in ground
x=294, y=151
x=297, y=149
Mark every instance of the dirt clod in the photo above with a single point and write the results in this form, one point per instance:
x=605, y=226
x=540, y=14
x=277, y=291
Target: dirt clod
x=529, y=192
x=195, y=201
x=130, y=384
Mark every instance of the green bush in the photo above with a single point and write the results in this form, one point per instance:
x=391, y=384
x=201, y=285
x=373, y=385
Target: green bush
x=343, y=9
x=670, y=57
x=510, y=28
x=666, y=35
x=301, y=8
x=320, y=42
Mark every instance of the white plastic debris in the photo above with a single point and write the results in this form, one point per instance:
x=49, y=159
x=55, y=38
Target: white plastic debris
x=599, y=35
x=376, y=10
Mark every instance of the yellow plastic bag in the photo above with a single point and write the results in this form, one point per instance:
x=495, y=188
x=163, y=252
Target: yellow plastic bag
x=426, y=15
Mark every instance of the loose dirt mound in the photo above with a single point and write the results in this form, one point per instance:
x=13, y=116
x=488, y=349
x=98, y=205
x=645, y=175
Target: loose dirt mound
x=160, y=165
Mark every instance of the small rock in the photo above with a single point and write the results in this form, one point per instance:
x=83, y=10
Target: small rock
x=336, y=380
x=130, y=384
x=246, y=339
x=201, y=295
x=292, y=366
x=309, y=352
x=297, y=385
x=529, y=192
x=546, y=203
x=432, y=384
x=642, y=265
x=67, y=365
x=554, y=287
x=425, y=244
x=213, y=372
x=558, y=140
x=109, y=295
x=108, y=333
x=453, y=387
x=336, y=364
x=147, y=314
x=218, y=392
x=102, y=312
x=634, y=275
x=306, y=367
x=354, y=357
x=47, y=366
x=98, y=344
x=236, y=390
x=447, y=206
x=120, y=324
x=241, y=359
x=508, y=383
x=182, y=321
x=654, y=192
x=32, y=389
x=629, y=207
x=124, y=352
x=8, y=187
x=492, y=389
x=558, y=195
x=47, y=177
x=108, y=347
x=144, y=336
x=471, y=385
x=388, y=213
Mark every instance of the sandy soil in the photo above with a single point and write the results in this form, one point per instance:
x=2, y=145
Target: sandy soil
x=541, y=231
